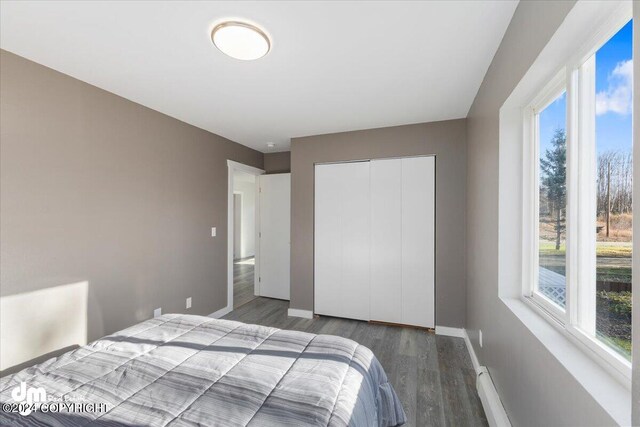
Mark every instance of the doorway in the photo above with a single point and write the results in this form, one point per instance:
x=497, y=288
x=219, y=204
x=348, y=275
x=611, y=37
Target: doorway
x=244, y=237
x=242, y=250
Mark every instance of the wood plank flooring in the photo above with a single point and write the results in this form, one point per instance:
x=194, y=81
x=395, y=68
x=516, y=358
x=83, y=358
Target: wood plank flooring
x=432, y=375
x=243, y=291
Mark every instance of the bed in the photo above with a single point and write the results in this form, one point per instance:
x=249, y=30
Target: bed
x=185, y=370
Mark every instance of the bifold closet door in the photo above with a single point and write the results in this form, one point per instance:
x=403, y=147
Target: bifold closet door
x=418, y=241
x=342, y=240
x=386, y=240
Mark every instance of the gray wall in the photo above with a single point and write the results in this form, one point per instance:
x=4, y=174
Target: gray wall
x=535, y=389
x=446, y=140
x=277, y=162
x=97, y=188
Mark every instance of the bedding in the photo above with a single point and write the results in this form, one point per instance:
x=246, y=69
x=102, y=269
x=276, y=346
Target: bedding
x=185, y=370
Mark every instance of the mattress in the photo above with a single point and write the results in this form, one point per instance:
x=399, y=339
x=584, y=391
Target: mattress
x=184, y=370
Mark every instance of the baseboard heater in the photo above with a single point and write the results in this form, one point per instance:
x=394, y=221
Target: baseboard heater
x=496, y=415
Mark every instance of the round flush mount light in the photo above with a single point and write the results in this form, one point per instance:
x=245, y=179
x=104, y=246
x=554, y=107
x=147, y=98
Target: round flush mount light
x=240, y=40
x=271, y=145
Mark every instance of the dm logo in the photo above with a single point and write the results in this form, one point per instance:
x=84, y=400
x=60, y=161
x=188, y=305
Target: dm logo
x=28, y=395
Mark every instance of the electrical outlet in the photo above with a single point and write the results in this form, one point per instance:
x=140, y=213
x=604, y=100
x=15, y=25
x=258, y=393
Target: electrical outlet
x=480, y=337
x=157, y=312
x=213, y=232
x=189, y=302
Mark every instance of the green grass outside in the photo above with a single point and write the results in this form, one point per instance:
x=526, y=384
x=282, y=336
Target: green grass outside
x=603, y=249
x=603, y=273
x=613, y=264
x=614, y=274
x=621, y=345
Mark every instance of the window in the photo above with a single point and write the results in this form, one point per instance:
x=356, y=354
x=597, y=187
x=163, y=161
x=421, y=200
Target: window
x=551, y=138
x=613, y=178
x=581, y=149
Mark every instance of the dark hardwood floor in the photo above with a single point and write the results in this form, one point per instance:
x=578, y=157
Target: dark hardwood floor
x=432, y=375
x=243, y=281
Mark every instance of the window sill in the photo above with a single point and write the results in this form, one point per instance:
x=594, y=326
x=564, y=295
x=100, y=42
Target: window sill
x=615, y=365
x=612, y=394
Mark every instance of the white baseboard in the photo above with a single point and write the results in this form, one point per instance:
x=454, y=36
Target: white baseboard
x=224, y=310
x=450, y=332
x=472, y=353
x=493, y=408
x=294, y=312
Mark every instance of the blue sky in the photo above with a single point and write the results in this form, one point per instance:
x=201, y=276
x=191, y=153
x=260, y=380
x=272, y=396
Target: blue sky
x=613, y=98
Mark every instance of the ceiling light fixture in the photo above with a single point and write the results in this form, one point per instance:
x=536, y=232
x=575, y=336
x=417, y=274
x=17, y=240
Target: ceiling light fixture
x=271, y=145
x=240, y=40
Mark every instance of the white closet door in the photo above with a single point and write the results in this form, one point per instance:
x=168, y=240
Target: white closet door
x=418, y=241
x=342, y=240
x=327, y=238
x=386, y=240
x=275, y=231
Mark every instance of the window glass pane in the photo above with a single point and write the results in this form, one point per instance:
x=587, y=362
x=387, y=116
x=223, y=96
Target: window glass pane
x=614, y=172
x=552, y=172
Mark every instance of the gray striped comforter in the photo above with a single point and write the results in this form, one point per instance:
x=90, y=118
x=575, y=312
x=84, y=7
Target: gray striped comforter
x=181, y=370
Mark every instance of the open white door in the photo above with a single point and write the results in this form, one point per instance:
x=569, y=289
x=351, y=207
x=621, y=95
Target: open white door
x=274, y=235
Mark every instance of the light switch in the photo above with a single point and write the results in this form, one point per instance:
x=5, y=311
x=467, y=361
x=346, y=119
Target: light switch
x=213, y=232
x=157, y=312
x=189, y=302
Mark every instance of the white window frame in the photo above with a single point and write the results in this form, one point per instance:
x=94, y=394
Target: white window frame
x=577, y=320
x=548, y=95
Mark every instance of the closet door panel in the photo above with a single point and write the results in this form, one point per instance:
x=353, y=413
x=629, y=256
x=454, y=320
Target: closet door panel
x=327, y=237
x=356, y=241
x=386, y=240
x=342, y=240
x=418, y=241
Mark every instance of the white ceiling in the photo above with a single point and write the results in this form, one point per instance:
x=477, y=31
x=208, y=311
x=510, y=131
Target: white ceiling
x=334, y=66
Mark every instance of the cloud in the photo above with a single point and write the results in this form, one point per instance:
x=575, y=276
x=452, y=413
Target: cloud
x=618, y=96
